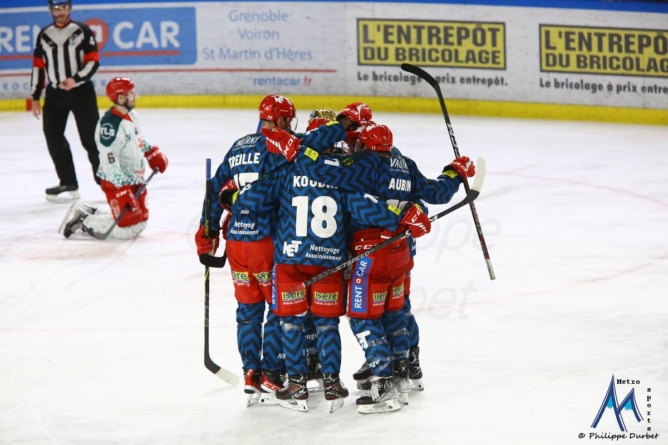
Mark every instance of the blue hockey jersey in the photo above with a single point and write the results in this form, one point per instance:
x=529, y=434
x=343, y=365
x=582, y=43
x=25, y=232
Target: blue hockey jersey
x=313, y=218
x=245, y=162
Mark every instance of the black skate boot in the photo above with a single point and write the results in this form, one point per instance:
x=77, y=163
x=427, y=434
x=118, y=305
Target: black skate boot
x=295, y=395
x=381, y=399
x=414, y=370
x=252, y=386
x=314, y=373
x=272, y=382
x=362, y=377
x=335, y=392
x=401, y=380
x=62, y=193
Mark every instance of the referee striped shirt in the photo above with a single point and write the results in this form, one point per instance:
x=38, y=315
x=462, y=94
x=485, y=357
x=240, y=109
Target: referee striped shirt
x=62, y=52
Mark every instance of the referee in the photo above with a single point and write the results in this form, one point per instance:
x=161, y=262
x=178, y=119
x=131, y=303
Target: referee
x=66, y=55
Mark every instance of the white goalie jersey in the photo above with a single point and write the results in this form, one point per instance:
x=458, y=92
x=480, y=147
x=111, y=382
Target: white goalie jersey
x=121, y=148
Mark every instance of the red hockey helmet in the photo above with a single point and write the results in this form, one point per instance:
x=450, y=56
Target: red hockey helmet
x=320, y=117
x=272, y=107
x=119, y=85
x=358, y=112
x=376, y=138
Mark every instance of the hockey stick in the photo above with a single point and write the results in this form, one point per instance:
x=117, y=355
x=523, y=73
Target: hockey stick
x=471, y=196
x=223, y=374
x=431, y=81
x=217, y=262
x=106, y=234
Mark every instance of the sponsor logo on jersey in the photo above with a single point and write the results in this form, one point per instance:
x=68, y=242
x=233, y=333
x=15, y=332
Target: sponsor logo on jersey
x=359, y=283
x=403, y=185
x=287, y=297
x=397, y=291
x=398, y=164
x=241, y=278
x=379, y=297
x=107, y=131
x=291, y=249
x=348, y=161
x=246, y=141
x=326, y=297
x=264, y=278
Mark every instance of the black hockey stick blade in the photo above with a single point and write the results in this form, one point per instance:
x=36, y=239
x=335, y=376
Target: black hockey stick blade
x=105, y=235
x=471, y=196
x=213, y=261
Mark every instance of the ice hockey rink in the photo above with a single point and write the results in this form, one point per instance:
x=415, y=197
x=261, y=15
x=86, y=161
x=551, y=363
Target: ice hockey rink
x=102, y=342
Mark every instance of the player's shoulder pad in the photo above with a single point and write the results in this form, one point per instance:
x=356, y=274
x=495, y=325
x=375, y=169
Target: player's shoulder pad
x=109, y=126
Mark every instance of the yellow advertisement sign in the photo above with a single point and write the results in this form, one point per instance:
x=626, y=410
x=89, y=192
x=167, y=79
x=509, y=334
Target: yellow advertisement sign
x=613, y=51
x=431, y=43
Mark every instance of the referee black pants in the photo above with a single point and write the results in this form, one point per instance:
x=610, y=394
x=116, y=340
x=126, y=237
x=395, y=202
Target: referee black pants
x=82, y=102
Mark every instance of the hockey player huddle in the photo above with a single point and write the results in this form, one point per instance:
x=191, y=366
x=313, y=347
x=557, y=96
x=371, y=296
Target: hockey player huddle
x=297, y=206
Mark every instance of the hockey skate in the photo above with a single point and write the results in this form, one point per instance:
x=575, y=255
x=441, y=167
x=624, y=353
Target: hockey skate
x=272, y=382
x=295, y=395
x=363, y=377
x=62, y=193
x=335, y=391
x=381, y=399
x=414, y=370
x=252, y=387
x=73, y=220
x=401, y=380
x=314, y=374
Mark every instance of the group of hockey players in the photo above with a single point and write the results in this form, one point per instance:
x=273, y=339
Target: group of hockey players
x=299, y=204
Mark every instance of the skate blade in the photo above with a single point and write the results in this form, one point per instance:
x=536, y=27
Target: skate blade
x=63, y=197
x=252, y=399
x=417, y=385
x=269, y=398
x=335, y=404
x=388, y=406
x=403, y=398
x=317, y=385
x=297, y=405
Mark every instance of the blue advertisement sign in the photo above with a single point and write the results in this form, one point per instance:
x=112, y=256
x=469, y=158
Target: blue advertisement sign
x=142, y=36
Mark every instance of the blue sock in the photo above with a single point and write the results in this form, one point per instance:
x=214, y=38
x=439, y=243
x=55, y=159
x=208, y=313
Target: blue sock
x=371, y=336
x=329, y=344
x=411, y=324
x=293, y=344
x=396, y=333
x=249, y=333
x=272, y=344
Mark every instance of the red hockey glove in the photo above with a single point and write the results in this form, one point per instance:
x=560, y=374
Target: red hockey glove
x=462, y=165
x=226, y=196
x=416, y=221
x=281, y=142
x=124, y=196
x=156, y=159
x=204, y=244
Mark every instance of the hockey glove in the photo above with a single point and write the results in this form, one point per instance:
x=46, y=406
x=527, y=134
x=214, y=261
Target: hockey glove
x=416, y=221
x=281, y=142
x=205, y=244
x=156, y=159
x=124, y=197
x=228, y=194
x=463, y=166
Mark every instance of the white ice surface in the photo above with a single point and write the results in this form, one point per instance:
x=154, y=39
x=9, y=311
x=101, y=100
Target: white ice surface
x=102, y=342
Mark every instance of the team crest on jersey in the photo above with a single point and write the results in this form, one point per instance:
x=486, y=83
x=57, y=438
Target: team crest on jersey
x=347, y=161
x=264, y=278
x=107, y=131
x=241, y=278
x=379, y=297
x=397, y=291
x=289, y=298
x=326, y=297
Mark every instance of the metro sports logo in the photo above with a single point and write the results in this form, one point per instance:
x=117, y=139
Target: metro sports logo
x=142, y=36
